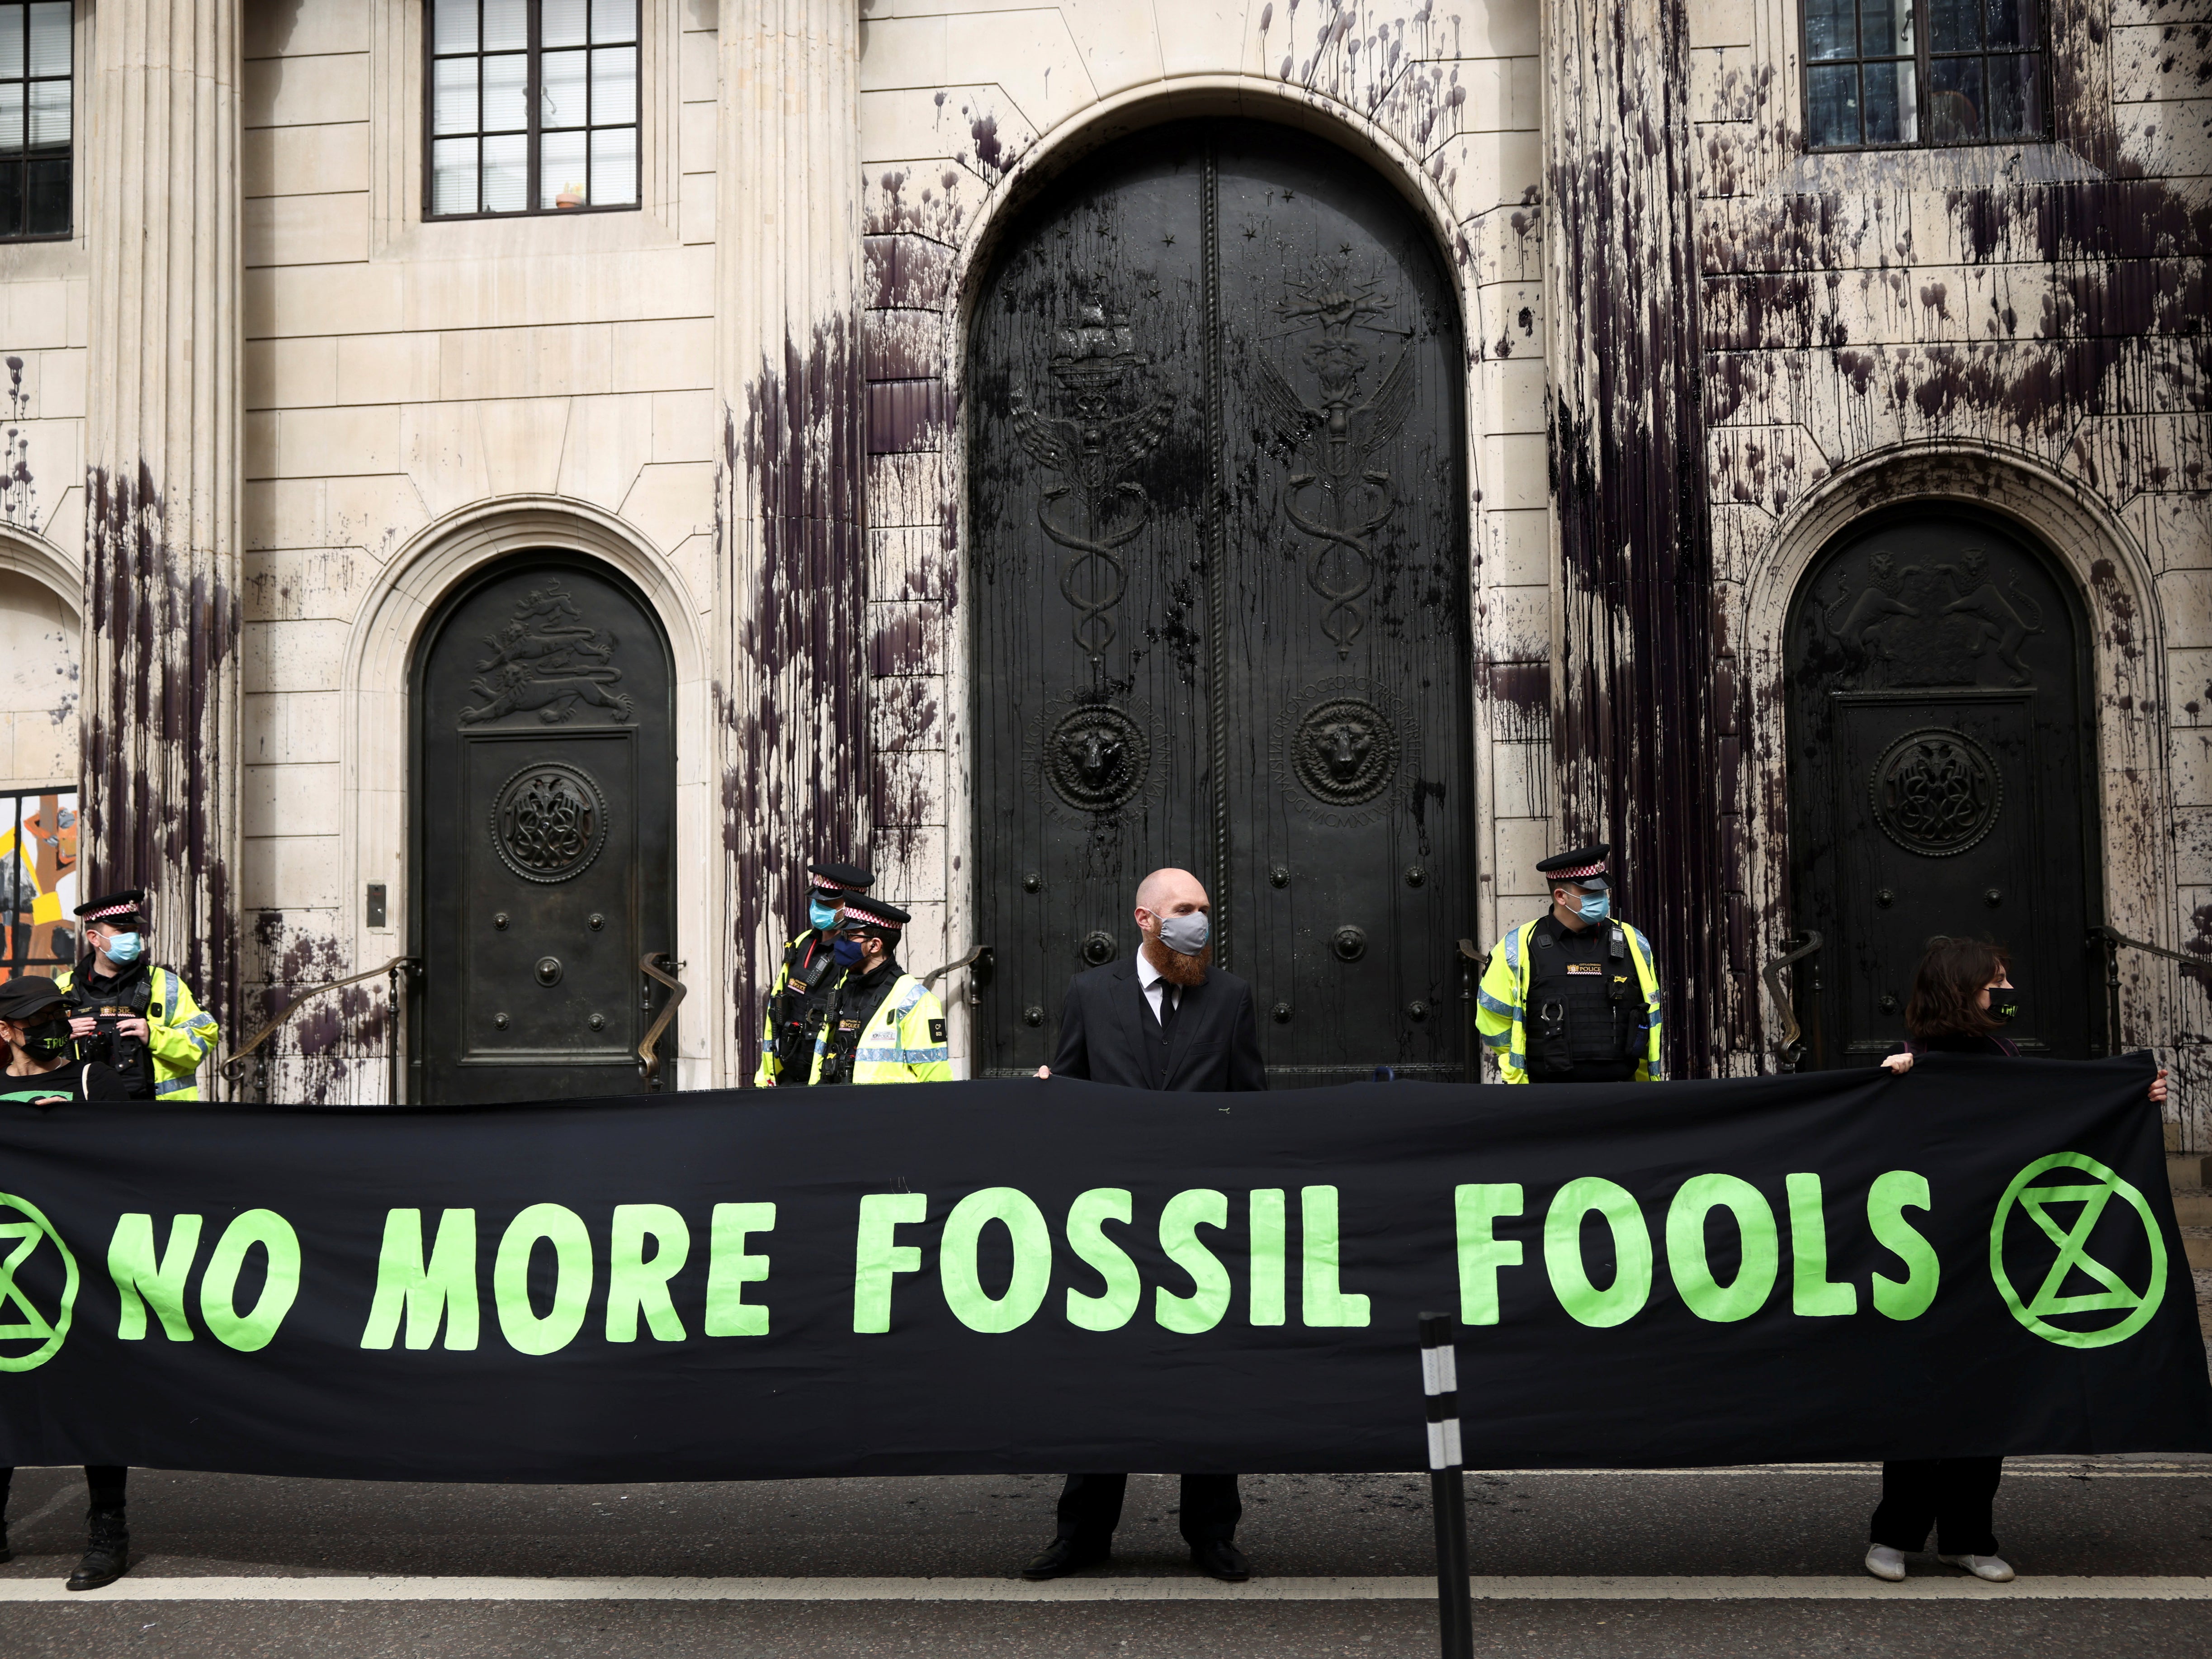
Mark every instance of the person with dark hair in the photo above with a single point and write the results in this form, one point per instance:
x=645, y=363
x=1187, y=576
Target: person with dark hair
x=43, y=1071
x=1963, y=998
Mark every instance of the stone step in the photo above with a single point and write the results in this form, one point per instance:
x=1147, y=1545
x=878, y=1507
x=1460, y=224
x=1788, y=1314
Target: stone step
x=2192, y=1206
x=2197, y=1241
x=2185, y=1170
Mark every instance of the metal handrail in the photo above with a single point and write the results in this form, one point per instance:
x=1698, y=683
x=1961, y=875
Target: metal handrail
x=2113, y=937
x=1790, y=1051
x=936, y=974
x=1471, y=961
x=650, y=964
x=2113, y=940
x=261, y=1070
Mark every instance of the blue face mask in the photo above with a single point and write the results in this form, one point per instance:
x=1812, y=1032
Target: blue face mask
x=820, y=915
x=124, y=949
x=1594, y=906
x=849, y=952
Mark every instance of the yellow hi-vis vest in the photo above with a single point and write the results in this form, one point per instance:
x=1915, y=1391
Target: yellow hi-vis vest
x=179, y=1035
x=904, y=1042
x=1502, y=1004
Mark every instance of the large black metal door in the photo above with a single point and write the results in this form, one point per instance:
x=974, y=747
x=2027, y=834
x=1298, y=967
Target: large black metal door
x=1218, y=498
x=544, y=794
x=1939, y=748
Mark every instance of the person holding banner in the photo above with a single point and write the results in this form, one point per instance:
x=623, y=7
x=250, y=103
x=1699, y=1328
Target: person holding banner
x=798, y=1001
x=907, y=1044
x=42, y=1072
x=1169, y=1020
x=1962, y=999
x=1590, y=978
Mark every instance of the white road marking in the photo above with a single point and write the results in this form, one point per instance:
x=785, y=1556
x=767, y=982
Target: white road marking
x=1940, y=1585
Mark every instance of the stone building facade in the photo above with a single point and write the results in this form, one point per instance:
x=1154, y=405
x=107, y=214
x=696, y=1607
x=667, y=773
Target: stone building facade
x=1796, y=486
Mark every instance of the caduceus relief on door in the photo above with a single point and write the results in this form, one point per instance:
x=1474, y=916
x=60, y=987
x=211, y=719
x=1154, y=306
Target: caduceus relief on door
x=1095, y=452
x=1341, y=435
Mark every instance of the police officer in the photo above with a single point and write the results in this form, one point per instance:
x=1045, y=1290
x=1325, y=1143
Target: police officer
x=1572, y=997
x=800, y=999
x=131, y=1013
x=885, y=1026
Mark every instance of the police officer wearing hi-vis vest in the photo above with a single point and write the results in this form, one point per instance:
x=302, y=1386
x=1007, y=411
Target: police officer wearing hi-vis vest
x=885, y=1026
x=800, y=1000
x=132, y=1014
x=1572, y=997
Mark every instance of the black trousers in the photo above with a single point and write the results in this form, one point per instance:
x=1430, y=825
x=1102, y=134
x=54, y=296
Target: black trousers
x=1090, y=1507
x=1954, y=1494
x=105, y=1480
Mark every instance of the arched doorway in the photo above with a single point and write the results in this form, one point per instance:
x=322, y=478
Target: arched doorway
x=1941, y=754
x=1218, y=505
x=543, y=793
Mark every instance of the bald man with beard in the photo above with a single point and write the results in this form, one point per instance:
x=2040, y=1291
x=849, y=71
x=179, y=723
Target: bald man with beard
x=1167, y=1019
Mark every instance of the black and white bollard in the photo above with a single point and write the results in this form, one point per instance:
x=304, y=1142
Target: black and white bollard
x=1447, y=1490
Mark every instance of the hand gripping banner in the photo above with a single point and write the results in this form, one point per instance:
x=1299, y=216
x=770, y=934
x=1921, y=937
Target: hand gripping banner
x=1979, y=1257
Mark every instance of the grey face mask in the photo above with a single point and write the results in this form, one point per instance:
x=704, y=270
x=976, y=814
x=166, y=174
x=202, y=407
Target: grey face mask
x=1186, y=935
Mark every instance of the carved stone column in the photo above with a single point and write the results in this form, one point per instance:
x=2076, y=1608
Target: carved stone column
x=792, y=554
x=1635, y=687
x=160, y=711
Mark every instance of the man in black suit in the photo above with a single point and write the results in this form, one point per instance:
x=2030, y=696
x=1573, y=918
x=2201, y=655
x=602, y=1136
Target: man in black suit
x=1166, y=1019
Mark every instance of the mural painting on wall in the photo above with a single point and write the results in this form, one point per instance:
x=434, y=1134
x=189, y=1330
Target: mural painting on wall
x=38, y=881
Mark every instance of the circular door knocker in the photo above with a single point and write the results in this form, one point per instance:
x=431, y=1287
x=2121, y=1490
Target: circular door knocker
x=1032, y=1016
x=1096, y=758
x=1098, y=948
x=1350, y=945
x=1936, y=791
x=549, y=971
x=548, y=822
x=1280, y=1013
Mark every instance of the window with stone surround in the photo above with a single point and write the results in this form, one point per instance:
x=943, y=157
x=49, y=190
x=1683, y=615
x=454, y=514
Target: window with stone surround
x=37, y=124
x=1888, y=74
x=531, y=107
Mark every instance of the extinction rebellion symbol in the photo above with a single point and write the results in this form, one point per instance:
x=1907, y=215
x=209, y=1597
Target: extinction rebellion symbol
x=38, y=1286
x=2065, y=1197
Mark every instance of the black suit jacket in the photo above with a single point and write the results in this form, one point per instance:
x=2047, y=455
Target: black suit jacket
x=1106, y=1023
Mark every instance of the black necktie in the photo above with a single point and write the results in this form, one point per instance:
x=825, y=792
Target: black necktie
x=1167, y=1009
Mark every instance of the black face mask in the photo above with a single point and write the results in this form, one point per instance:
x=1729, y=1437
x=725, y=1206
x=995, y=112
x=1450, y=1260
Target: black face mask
x=2005, y=1004
x=48, y=1040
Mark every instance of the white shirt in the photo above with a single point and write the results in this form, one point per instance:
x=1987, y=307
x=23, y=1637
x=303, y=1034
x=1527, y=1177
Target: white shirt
x=1154, y=987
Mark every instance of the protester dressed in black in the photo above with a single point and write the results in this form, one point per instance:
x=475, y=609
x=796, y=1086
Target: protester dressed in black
x=44, y=1072
x=1962, y=998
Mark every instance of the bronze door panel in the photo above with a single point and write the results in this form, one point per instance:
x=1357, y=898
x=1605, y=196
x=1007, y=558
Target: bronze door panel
x=1218, y=506
x=1939, y=743
x=544, y=804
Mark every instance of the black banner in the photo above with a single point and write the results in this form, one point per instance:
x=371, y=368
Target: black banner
x=1018, y=1276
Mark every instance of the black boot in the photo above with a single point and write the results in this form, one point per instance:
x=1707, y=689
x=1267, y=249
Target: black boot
x=107, y=1552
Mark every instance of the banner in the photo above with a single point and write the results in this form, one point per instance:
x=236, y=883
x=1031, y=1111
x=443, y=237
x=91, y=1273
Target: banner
x=1037, y=1276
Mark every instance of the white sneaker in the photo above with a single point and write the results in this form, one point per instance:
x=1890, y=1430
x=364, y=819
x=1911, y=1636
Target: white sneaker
x=1991, y=1567
x=1884, y=1562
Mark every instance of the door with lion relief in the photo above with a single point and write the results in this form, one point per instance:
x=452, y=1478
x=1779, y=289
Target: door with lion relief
x=544, y=810
x=1940, y=756
x=1220, y=594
